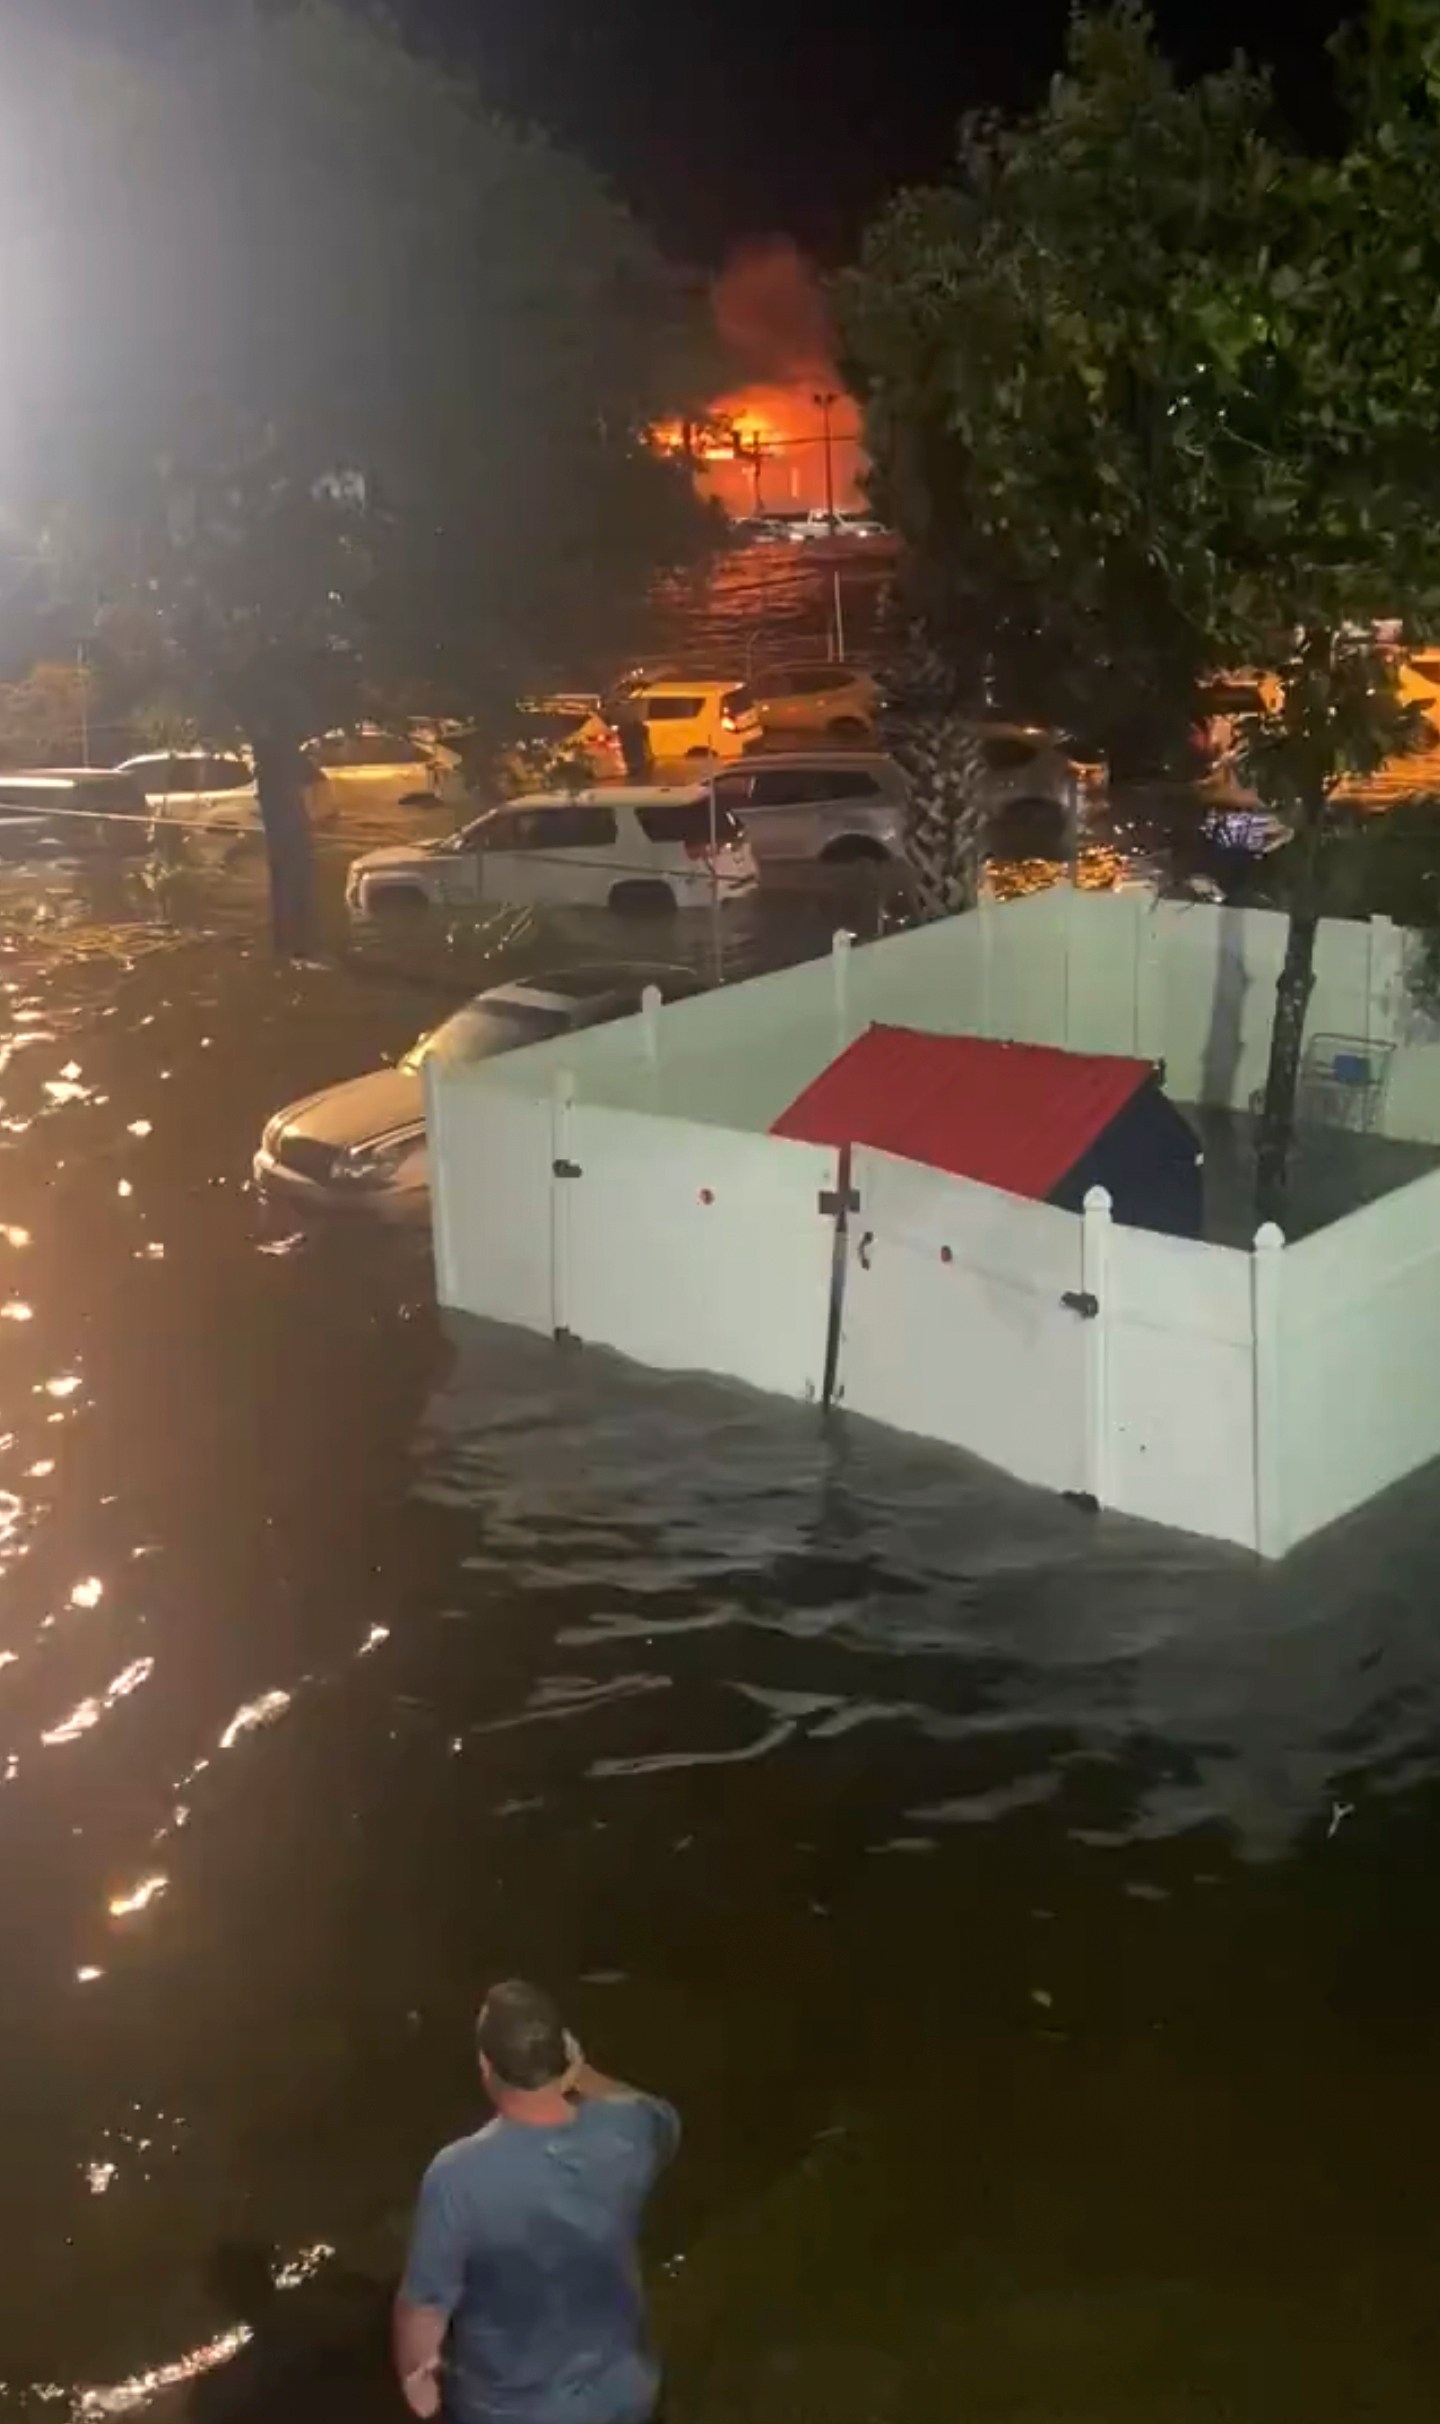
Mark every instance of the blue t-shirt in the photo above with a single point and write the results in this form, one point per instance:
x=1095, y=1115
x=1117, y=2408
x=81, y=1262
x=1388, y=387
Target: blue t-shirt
x=526, y=2239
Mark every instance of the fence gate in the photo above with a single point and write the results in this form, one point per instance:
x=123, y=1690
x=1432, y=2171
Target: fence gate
x=491, y=1190
x=695, y=1248
x=966, y=1318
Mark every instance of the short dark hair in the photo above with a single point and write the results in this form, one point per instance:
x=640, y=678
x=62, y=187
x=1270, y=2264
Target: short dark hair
x=520, y=2034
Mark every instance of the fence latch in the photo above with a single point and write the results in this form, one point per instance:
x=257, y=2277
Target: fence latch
x=832, y=1202
x=1079, y=1300
x=567, y=1169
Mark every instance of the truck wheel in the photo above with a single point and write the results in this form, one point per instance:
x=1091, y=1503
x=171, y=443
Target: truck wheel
x=641, y=899
x=395, y=900
x=853, y=850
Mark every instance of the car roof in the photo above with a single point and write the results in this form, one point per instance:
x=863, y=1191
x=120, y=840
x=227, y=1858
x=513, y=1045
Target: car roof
x=62, y=778
x=606, y=795
x=828, y=760
x=588, y=981
x=679, y=688
x=179, y=757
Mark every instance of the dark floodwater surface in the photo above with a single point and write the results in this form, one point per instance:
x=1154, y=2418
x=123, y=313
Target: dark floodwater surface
x=1034, y=1917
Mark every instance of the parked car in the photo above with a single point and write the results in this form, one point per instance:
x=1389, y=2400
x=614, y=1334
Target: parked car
x=831, y=702
x=835, y=806
x=1032, y=762
x=688, y=719
x=61, y=811
x=816, y=524
x=556, y=732
x=209, y=791
x=361, y=1144
x=371, y=767
x=199, y=787
x=849, y=804
x=636, y=848
x=758, y=529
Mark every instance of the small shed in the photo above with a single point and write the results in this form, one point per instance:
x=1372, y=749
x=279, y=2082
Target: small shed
x=1027, y=1118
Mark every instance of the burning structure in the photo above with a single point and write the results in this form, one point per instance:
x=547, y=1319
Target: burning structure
x=785, y=438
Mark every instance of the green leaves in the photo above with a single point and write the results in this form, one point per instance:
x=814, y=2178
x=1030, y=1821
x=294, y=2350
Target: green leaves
x=1170, y=380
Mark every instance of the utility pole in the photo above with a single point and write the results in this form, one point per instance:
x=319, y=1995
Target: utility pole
x=825, y=404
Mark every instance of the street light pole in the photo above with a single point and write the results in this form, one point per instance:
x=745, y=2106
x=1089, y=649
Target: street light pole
x=825, y=403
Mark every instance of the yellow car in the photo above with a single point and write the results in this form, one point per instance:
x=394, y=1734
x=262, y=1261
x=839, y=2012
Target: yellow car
x=829, y=702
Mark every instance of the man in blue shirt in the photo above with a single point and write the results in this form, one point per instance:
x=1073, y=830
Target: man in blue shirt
x=522, y=2292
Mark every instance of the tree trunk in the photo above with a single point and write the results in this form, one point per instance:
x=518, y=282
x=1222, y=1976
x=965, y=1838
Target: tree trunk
x=1287, y=1038
x=280, y=779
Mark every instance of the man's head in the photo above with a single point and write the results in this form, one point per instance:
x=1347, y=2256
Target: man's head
x=520, y=2039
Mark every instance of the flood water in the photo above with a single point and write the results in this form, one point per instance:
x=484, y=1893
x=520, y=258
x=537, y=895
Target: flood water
x=1032, y=1915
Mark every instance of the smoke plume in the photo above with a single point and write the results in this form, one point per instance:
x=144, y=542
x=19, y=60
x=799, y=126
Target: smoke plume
x=770, y=310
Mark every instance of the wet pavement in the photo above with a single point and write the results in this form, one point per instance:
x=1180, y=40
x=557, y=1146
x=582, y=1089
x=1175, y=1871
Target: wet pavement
x=1031, y=1914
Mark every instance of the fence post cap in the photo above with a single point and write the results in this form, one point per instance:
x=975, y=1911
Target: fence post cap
x=1269, y=1238
x=1098, y=1200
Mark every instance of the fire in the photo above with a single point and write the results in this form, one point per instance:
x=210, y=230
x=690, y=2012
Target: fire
x=764, y=446
x=786, y=436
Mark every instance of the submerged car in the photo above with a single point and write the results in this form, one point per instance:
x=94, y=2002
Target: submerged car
x=62, y=811
x=825, y=701
x=209, y=793
x=212, y=789
x=372, y=767
x=696, y=719
x=361, y=1144
x=640, y=847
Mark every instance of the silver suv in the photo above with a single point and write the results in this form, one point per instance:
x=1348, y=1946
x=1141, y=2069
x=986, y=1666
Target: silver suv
x=828, y=804
x=849, y=804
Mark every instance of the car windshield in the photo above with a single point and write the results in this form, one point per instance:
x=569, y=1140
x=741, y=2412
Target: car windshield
x=484, y=1028
x=689, y=821
x=551, y=724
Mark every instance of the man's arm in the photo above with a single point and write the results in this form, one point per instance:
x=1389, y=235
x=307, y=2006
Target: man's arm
x=419, y=2337
x=429, y=2295
x=590, y=2086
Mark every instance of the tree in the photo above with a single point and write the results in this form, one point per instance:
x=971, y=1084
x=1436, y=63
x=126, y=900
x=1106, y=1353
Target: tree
x=925, y=728
x=340, y=377
x=1153, y=392
x=43, y=716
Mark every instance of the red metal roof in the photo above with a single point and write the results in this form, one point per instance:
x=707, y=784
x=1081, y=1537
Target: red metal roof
x=1016, y=1116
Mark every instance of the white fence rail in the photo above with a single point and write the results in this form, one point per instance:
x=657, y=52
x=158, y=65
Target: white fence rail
x=1357, y=1360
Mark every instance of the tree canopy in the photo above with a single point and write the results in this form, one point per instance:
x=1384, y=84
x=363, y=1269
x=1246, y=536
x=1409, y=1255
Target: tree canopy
x=346, y=377
x=1152, y=391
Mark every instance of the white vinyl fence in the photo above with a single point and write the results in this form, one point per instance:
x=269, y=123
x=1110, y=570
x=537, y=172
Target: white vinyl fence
x=1094, y=1359
x=1185, y=984
x=618, y=1186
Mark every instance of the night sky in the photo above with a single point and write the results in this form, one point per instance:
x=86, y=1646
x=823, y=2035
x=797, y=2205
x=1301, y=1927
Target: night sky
x=725, y=119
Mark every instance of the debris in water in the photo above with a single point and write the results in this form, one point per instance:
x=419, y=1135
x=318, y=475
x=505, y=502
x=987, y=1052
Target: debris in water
x=1339, y=1812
